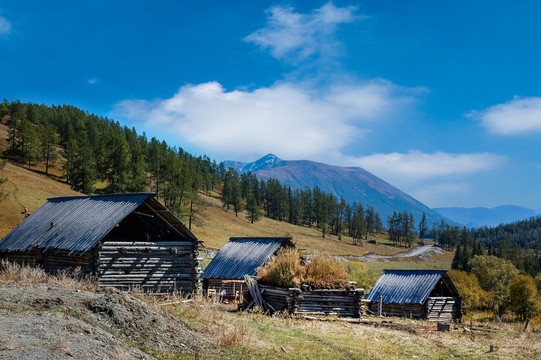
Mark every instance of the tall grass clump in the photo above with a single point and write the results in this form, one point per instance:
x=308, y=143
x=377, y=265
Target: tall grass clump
x=26, y=275
x=13, y=273
x=284, y=270
x=324, y=272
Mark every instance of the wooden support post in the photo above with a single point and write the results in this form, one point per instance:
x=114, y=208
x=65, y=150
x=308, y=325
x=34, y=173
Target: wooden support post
x=526, y=325
x=380, y=305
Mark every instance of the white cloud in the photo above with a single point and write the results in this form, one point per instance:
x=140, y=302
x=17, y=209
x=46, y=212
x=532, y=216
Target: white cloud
x=5, y=26
x=518, y=116
x=289, y=119
x=416, y=165
x=293, y=36
x=92, y=81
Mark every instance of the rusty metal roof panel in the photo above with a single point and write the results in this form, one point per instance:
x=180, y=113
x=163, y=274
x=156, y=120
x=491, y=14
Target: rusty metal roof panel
x=405, y=286
x=242, y=256
x=73, y=223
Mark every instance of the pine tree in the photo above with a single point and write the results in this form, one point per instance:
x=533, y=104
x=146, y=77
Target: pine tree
x=423, y=227
x=48, y=143
x=117, y=160
x=252, y=207
x=27, y=142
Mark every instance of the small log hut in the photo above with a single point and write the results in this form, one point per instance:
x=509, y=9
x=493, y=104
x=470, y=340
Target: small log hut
x=126, y=240
x=345, y=302
x=420, y=294
x=239, y=257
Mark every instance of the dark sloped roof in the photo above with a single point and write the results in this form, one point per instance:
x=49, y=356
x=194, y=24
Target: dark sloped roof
x=407, y=286
x=242, y=256
x=77, y=223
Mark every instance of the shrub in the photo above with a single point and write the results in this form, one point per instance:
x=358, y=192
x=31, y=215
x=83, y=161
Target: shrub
x=523, y=296
x=284, y=270
x=365, y=275
x=495, y=275
x=468, y=287
x=325, y=272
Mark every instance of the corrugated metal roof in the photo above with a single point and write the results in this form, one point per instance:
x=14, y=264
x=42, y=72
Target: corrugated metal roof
x=405, y=286
x=242, y=256
x=73, y=223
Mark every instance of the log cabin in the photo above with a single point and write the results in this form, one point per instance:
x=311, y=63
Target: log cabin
x=125, y=240
x=240, y=256
x=420, y=294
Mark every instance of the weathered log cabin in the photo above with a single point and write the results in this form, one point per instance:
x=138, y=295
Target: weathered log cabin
x=421, y=294
x=240, y=256
x=126, y=240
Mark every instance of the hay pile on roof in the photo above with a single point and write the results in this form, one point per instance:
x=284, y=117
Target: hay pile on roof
x=286, y=270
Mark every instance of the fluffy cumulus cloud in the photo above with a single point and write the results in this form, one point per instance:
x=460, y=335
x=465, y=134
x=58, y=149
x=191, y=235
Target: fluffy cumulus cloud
x=416, y=165
x=290, y=119
x=292, y=36
x=5, y=26
x=518, y=116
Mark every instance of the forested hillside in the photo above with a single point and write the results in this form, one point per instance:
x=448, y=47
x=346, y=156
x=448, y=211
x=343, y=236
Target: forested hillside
x=526, y=233
x=98, y=155
x=520, y=243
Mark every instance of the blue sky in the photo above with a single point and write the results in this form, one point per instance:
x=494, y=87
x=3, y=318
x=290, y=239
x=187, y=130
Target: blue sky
x=441, y=99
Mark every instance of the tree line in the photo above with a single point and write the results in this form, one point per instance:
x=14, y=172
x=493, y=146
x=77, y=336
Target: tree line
x=305, y=207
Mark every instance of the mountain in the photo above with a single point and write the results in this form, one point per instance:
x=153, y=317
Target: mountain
x=480, y=216
x=352, y=183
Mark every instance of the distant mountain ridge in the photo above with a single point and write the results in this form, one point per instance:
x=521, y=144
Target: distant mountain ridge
x=352, y=183
x=481, y=216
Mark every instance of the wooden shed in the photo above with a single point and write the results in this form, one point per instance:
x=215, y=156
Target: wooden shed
x=126, y=240
x=240, y=256
x=421, y=294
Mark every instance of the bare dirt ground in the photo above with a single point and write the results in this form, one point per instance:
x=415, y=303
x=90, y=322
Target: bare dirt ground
x=47, y=322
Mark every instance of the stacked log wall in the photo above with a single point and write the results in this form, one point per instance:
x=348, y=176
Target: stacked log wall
x=400, y=310
x=278, y=298
x=156, y=266
x=33, y=257
x=443, y=308
x=340, y=302
x=54, y=262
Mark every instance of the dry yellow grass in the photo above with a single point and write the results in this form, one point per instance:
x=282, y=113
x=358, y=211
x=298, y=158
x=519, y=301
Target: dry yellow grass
x=284, y=270
x=26, y=189
x=24, y=275
x=325, y=272
x=215, y=226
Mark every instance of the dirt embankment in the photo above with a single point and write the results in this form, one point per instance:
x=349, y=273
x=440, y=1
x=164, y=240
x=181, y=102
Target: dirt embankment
x=48, y=322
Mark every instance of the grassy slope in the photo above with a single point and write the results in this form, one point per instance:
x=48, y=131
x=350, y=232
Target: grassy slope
x=26, y=189
x=216, y=226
